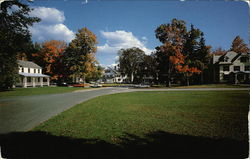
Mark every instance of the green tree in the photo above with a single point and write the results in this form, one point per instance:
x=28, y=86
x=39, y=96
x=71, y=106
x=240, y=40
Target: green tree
x=14, y=38
x=79, y=55
x=203, y=57
x=197, y=54
x=149, y=68
x=130, y=62
x=95, y=74
x=239, y=46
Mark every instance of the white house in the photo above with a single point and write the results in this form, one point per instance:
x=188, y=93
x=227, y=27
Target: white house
x=112, y=75
x=31, y=75
x=232, y=67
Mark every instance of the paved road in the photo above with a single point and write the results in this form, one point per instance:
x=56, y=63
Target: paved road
x=23, y=113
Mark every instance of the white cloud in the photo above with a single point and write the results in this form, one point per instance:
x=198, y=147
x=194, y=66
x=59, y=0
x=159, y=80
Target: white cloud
x=51, y=26
x=121, y=39
x=49, y=15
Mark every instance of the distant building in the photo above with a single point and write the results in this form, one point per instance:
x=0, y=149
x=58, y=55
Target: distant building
x=232, y=67
x=112, y=75
x=31, y=75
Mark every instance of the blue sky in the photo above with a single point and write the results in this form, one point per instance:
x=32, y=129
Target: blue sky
x=122, y=24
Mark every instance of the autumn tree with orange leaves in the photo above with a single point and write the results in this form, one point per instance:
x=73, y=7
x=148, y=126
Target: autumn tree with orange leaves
x=183, y=52
x=50, y=58
x=239, y=46
x=173, y=37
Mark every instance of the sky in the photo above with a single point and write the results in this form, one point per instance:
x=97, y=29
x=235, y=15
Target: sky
x=124, y=24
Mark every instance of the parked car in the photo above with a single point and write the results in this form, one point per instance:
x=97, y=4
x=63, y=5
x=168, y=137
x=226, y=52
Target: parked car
x=96, y=85
x=62, y=84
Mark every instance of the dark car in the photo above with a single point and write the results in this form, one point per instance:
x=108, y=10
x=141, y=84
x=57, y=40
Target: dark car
x=64, y=84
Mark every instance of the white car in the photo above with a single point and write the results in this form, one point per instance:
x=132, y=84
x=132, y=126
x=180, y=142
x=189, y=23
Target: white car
x=96, y=85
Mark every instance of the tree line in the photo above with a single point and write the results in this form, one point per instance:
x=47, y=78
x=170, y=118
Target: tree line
x=63, y=62
x=182, y=58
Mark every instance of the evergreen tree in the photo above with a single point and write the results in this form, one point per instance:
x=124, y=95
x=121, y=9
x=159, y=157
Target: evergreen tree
x=14, y=38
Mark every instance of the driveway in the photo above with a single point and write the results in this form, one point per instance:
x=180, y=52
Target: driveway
x=24, y=113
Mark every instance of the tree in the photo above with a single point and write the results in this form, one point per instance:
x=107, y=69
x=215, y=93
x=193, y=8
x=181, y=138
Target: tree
x=173, y=38
x=197, y=54
x=14, y=37
x=130, y=62
x=239, y=46
x=149, y=69
x=79, y=55
x=183, y=53
x=95, y=74
x=50, y=56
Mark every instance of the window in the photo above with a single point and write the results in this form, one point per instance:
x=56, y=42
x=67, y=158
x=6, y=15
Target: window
x=236, y=68
x=22, y=69
x=247, y=68
x=38, y=70
x=225, y=68
x=34, y=70
x=28, y=70
x=225, y=59
x=244, y=59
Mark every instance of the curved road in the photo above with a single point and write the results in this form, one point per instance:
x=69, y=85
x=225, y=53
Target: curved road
x=24, y=113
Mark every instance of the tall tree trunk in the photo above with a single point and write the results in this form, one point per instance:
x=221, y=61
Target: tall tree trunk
x=169, y=75
x=202, y=78
x=187, y=78
x=132, y=78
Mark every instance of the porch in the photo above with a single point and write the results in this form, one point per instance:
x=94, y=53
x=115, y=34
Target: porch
x=33, y=80
x=239, y=77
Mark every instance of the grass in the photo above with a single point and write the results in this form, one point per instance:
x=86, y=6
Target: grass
x=37, y=91
x=206, y=86
x=212, y=114
x=216, y=86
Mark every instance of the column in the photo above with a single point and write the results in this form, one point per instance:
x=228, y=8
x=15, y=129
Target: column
x=24, y=82
x=41, y=81
x=33, y=81
x=48, y=81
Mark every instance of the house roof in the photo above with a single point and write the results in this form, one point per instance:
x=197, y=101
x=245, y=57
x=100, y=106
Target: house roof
x=28, y=64
x=32, y=74
x=231, y=57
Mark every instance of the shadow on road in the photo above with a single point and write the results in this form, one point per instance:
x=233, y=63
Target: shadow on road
x=30, y=145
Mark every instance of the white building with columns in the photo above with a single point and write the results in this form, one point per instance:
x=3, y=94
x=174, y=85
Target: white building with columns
x=31, y=75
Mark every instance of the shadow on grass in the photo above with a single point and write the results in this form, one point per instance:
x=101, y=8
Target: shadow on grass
x=159, y=144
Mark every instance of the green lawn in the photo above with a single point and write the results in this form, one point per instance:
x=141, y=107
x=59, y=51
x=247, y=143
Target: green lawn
x=216, y=86
x=206, y=86
x=212, y=114
x=37, y=91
